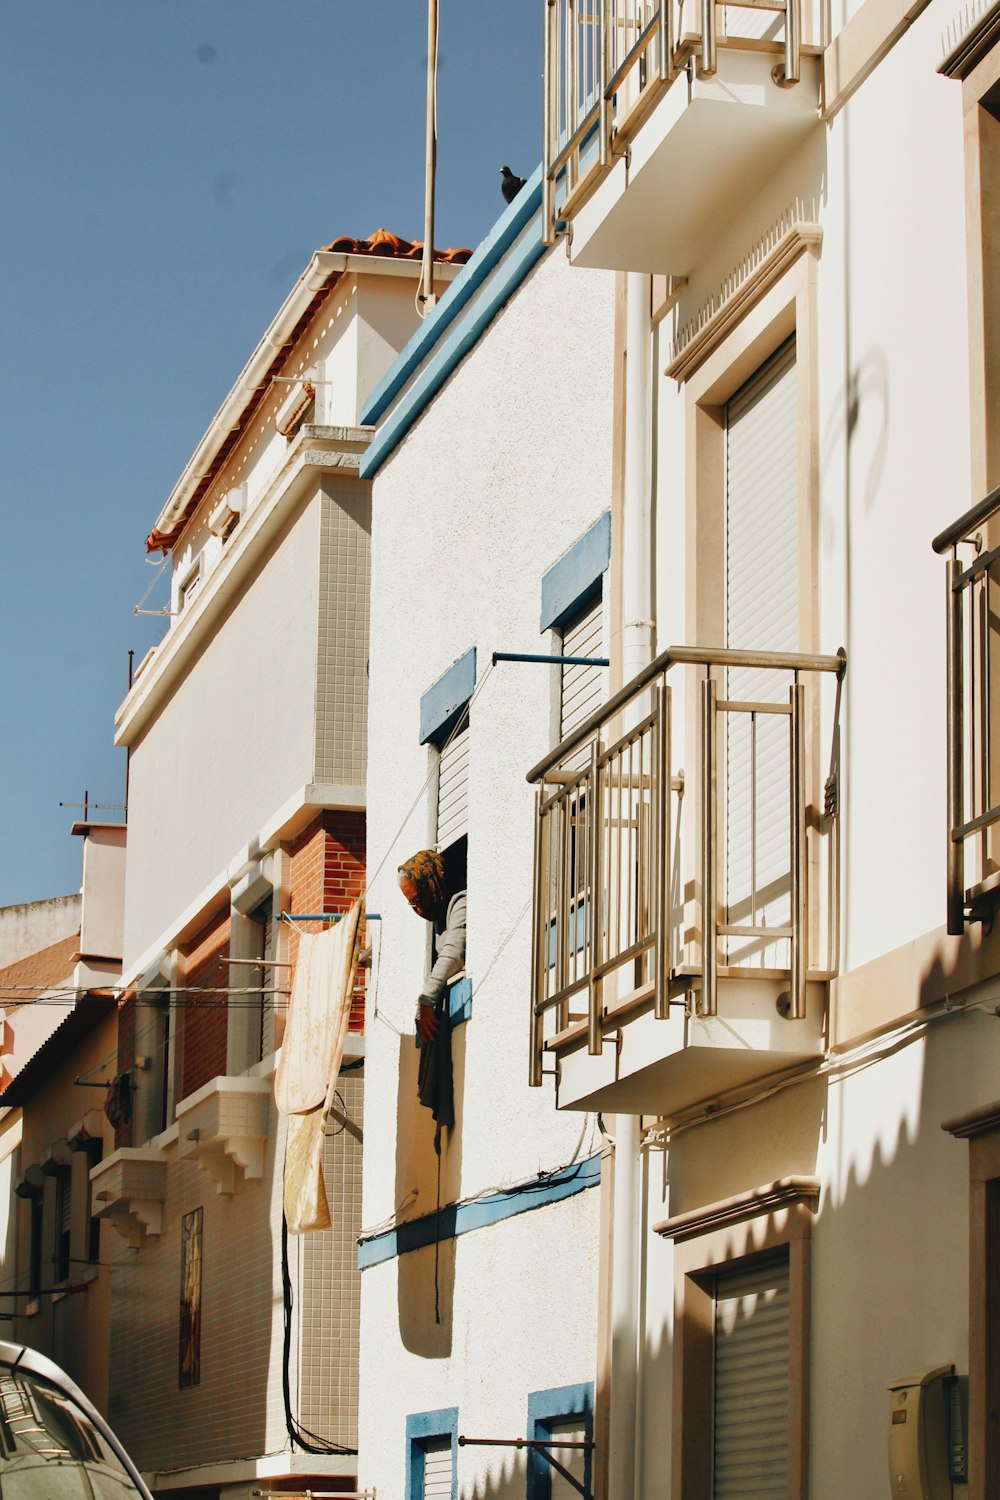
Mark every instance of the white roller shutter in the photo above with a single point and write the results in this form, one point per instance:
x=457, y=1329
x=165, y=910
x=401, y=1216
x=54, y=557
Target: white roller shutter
x=581, y=688
x=438, y=1469
x=573, y=1459
x=751, y=1400
x=762, y=614
x=453, y=790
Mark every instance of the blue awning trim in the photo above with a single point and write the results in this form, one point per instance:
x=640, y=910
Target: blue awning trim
x=456, y=1219
x=474, y=273
x=444, y=698
x=569, y=582
x=429, y=366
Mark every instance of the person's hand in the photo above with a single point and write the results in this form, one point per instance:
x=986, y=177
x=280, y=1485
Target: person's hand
x=428, y=1022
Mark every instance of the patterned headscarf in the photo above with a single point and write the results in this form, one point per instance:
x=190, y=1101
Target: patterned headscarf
x=425, y=871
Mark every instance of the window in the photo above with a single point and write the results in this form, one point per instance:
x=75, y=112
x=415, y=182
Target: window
x=582, y=688
x=64, y=1223
x=432, y=1448
x=36, y=1225
x=94, y=1156
x=741, y=1296
x=982, y=1131
x=762, y=614
x=573, y=607
x=188, y=587
x=566, y=1413
x=444, y=724
x=263, y=917
x=453, y=785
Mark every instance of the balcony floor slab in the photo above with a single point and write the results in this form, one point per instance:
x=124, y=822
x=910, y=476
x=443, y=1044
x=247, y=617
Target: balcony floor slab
x=703, y=153
x=665, y=1067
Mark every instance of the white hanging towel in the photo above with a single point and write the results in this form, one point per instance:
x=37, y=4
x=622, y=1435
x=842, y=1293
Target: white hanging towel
x=318, y=1013
x=306, y=1079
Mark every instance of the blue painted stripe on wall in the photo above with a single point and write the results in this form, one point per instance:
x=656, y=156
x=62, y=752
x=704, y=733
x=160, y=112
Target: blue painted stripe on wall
x=487, y=257
x=442, y=698
x=456, y=1219
x=464, y=336
x=567, y=583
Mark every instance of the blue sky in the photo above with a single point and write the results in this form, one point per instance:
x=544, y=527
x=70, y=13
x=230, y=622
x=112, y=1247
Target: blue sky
x=167, y=167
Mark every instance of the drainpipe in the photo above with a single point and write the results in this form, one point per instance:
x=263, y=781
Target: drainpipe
x=637, y=650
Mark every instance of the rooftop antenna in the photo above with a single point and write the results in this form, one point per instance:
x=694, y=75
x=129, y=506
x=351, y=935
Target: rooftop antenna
x=425, y=296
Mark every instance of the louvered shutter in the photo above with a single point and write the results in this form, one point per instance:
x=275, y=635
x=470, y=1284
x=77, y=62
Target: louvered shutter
x=573, y=1459
x=438, y=1469
x=751, y=1400
x=762, y=614
x=581, y=688
x=453, y=789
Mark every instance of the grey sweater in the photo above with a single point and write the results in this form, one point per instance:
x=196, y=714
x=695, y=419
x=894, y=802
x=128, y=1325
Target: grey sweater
x=449, y=946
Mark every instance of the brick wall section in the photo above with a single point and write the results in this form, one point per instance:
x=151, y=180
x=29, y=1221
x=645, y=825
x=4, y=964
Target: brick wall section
x=328, y=873
x=203, y=963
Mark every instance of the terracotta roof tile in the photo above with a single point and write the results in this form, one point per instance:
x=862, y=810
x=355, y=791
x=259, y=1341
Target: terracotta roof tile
x=41, y=971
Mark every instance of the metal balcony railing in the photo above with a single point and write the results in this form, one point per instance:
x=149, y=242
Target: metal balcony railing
x=616, y=924
x=606, y=63
x=973, y=588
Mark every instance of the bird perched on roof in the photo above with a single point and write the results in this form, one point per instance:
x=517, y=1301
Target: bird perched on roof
x=510, y=184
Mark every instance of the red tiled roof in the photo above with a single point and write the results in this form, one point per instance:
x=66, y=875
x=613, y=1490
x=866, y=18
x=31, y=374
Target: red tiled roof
x=382, y=243
x=41, y=971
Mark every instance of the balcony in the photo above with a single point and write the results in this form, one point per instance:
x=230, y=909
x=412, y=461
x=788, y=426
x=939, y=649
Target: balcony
x=662, y=114
x=704, y=964
x=973, y=614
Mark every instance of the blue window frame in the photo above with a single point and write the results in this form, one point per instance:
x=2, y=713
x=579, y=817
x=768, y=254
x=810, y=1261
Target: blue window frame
x=547, y=1411
x=425, y=1429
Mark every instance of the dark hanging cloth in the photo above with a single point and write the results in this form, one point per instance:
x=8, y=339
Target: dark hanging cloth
x=118, y=1100
x=435, y=1083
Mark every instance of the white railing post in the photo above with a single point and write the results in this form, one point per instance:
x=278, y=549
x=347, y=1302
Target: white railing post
x=660, y=853
x=799, y=853
x=956, y=751
x=709, y=793
x=550, y=127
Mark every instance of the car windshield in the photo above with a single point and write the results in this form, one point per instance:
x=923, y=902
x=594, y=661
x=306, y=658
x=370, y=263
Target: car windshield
x=51, y=1450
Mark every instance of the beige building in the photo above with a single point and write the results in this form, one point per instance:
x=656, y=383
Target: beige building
x=781, y=825
x=234, y=1348
x=59, y=1047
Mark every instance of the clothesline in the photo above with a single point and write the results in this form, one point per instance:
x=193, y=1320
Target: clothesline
x=323, y=916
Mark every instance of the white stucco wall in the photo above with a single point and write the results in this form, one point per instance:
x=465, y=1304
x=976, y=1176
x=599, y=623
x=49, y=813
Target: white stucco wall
x=890, y=1242
x=506, y=469
x=273, y=702
x=30, y=926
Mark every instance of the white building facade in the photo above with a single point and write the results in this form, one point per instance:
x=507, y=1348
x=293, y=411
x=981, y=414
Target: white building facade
x=492, y=465
x=785, y=1019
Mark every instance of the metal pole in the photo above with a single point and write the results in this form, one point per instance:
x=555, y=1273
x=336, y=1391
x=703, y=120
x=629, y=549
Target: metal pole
x=956, y=752
x=793, y=28
x=425, y=296
x=604, y=104
x=538, y=970
x=549, y=127
x=800, y=868
x=662, y=853
x=666, y=40
x=709, y=50
x=595, y=1006
x=709, y=915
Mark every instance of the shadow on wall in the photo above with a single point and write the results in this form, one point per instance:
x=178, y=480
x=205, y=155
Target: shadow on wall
x=426, y=1279
x=889, y=1261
